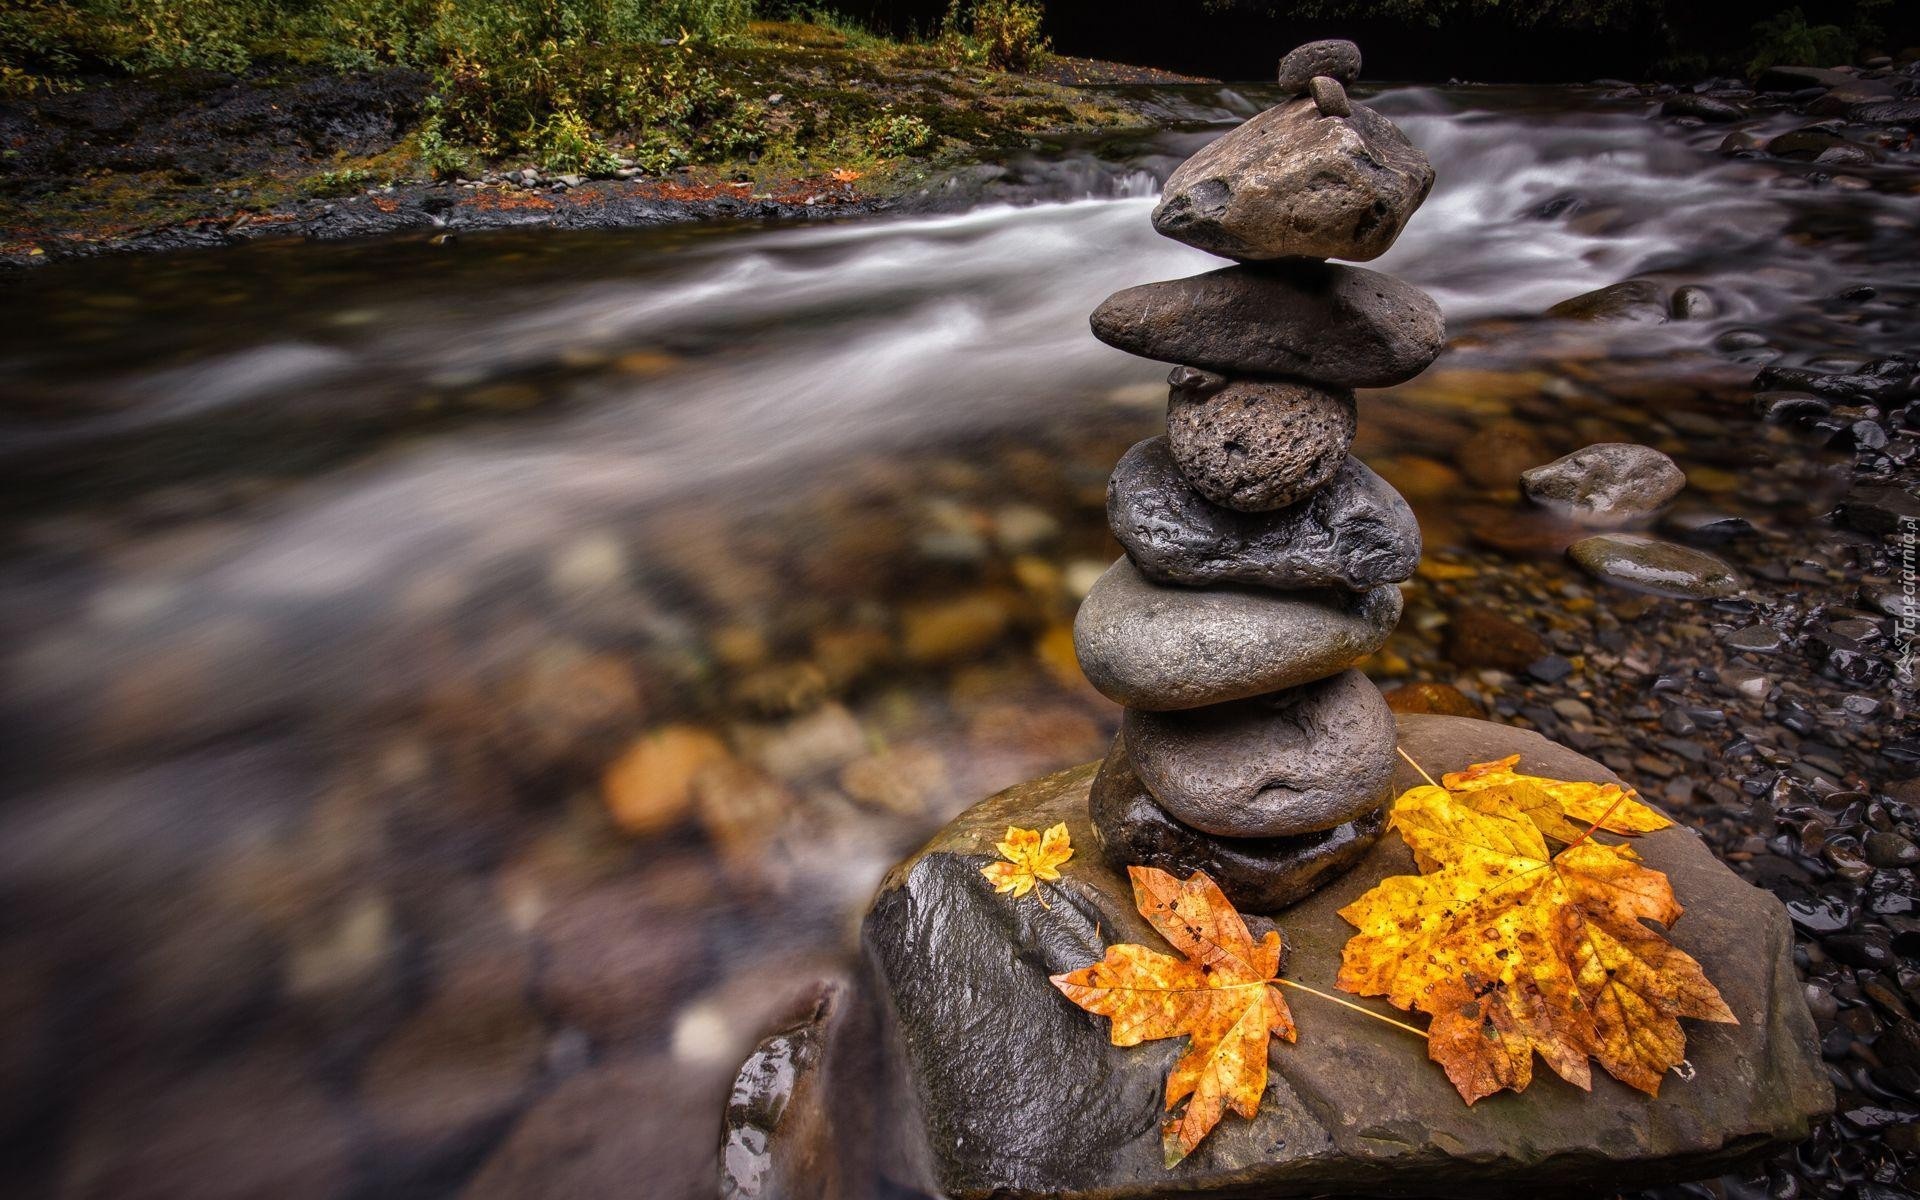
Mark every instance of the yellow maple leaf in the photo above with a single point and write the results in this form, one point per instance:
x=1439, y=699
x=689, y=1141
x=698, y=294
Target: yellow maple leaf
x=1031, y=856
x=1563, y=810
x=1512, y=950
x=1221, y=995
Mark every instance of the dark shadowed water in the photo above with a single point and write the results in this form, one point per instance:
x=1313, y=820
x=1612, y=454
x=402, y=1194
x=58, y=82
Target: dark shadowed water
x=459, y=697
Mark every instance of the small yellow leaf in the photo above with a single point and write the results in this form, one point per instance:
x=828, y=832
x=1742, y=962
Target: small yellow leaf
x=1031, y=856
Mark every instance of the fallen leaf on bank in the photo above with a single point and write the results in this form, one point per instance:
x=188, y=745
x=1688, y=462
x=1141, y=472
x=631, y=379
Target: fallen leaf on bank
x=1220, y=994
x=1031, y=857
x=1512, y=950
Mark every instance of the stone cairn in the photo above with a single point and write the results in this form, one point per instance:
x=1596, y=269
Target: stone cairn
x=1261, y=558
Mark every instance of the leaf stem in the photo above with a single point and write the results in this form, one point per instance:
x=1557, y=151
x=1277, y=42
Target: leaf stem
x=1417, y=766
x=1617, y=801
x=1365, y=1012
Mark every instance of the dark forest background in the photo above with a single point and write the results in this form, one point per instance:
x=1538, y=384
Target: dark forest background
x=1432, y=40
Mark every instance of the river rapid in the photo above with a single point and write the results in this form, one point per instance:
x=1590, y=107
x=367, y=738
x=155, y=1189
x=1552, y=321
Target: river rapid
x=460, y=696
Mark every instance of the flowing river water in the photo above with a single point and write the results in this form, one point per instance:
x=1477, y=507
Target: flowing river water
x=460, y=696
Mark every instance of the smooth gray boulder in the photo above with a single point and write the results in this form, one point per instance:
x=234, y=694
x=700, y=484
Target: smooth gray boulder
x=1339, y=326
x=1293, y=762
x=1292, y=183
x=1336, y=58
x=1259, y=875
x=1259, y=445
x=1606, y=485
x=1356, y=532
x=1647, y=564
x=1156, y=646
x=1014, y=1092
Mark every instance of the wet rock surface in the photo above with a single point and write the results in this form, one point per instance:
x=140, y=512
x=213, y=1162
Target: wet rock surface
x=1606, y=485
x=1292, y=183
x=1650, y=565
x=1157, y=646
x=1301, y=761
x=1254, y=446
x=1334, y=325
x=1257, y=874
x=1351, y=1107
x=1355, y=532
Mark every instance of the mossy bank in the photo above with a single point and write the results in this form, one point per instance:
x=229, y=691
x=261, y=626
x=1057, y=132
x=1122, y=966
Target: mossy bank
x=784, y=119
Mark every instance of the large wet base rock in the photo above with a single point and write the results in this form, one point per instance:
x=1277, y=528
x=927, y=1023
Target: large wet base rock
x=1018, y=1093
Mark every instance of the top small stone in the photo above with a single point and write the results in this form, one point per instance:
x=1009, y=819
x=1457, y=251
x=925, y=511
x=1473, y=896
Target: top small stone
x=1336, y=58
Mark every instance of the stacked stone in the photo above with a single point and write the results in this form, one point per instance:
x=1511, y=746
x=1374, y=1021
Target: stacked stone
x=1261, y=557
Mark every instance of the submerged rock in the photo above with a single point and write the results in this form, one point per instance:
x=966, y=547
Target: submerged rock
x=1154, y=646
x=789, y=1131
x=1351, y=1108
x=1259, y=875
x=1636, y=300
x=1257, y=446
x=1606, y=485
x=1339, y=326
x=1356, y=532
x=1289, y=183
x=1298, y=761
x=1648, y=564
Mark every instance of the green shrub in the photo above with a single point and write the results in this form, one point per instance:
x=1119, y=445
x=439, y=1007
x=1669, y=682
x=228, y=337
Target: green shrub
x=1004, y=34
x=1786, y=38
x=901, y=135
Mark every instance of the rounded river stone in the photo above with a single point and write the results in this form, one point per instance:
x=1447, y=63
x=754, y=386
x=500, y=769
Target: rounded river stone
x=1329, y=97
x=1333, y=57
x=1258, y=874
x=1356, y=532
x=1158, y=646
x=1647, y=564
x=1607, y=485
x=1291, y=183
x=1294, y=762
x=1339, y=326
x=1257, y=446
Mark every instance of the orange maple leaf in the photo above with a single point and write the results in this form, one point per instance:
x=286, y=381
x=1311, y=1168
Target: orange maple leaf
x=1513, y=950
x=1221, y=995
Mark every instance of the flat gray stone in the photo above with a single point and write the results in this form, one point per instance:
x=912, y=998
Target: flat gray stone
x=1336, y=58
x=1259, y=445
x=1646, y=564
x=1014, y=1092
x=1158, y=647
x=1259, y=875
x=1291, y=182
x=1293, y=762
x=1339, y=326
x=1606, y=485
x=1355, y=532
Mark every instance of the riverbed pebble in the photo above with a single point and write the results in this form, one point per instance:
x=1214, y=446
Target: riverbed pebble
x=1606, y=485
